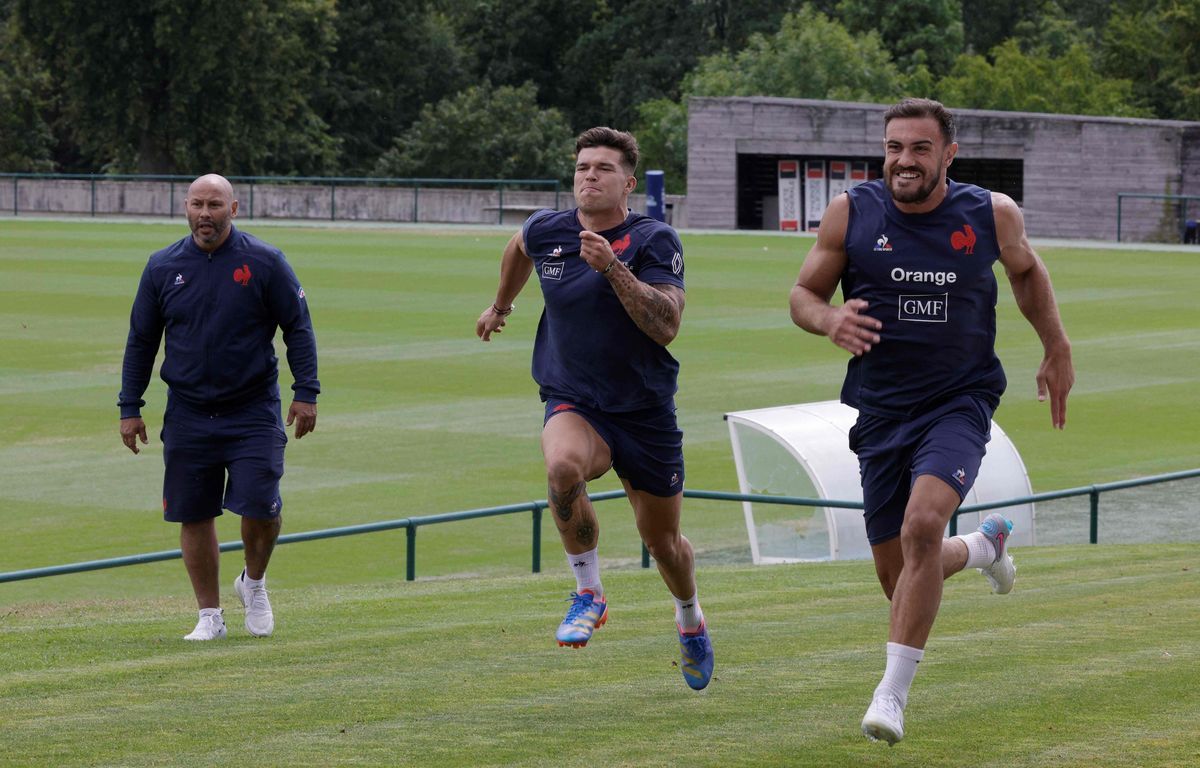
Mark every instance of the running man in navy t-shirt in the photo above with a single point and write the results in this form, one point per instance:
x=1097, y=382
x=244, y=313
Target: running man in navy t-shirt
x=218, y=296
x=914, y=254
x=612, y=281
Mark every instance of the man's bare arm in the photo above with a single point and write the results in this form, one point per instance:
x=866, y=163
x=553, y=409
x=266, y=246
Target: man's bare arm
x=1034, y=294
x=656, y=309
x=515, y=269
x=818, y=279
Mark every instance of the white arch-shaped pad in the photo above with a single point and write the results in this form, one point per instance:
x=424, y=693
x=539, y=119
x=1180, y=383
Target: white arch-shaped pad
x=803, y=450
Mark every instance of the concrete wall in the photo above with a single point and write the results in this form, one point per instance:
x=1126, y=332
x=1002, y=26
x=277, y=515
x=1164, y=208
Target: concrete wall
x=1073, y=165
x=453, y=205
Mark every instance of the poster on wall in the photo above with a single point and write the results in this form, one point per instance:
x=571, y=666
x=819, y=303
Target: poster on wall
x=789, y=195
x=839, y=178
x=814, y=193
x=858, y=172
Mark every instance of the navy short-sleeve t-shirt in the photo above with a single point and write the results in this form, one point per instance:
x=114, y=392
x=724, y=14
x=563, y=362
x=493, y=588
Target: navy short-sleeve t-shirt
x=588, y=350
x=928, y=278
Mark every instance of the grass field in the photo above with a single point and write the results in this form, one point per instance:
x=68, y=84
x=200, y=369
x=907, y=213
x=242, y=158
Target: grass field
x=418, y=417
x=1076, y=668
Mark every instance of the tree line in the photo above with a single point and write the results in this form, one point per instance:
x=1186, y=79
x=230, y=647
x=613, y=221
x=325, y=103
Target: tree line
x=498, y=88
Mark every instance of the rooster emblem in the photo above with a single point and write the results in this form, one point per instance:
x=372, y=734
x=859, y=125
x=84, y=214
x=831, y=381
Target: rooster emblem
x=964, y=239
x=242, y=273
x=620, y=245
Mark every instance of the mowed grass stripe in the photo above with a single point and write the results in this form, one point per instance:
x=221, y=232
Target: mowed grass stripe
x=1074, y=668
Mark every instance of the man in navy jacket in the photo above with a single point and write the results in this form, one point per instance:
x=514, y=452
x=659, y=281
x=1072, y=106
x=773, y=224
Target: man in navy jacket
x=218, y=296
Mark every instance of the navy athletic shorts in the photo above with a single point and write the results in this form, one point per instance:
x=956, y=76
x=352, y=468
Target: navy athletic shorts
x=646, y=446
x=213, y=460
x=947, y=442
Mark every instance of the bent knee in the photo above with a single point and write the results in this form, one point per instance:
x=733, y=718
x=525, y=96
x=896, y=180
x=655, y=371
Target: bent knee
x=564, y=472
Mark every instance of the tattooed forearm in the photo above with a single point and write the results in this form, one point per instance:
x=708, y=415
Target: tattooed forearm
x=563, y=501
x=656, y=309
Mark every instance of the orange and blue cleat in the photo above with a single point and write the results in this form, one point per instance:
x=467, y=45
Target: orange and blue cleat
x=585, y=616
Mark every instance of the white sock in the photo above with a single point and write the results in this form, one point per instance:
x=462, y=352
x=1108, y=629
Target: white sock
x=980, y=551
x=249, y=582
x=901, y=668
x=586, y=568
x=688, y=615
x=209, y=612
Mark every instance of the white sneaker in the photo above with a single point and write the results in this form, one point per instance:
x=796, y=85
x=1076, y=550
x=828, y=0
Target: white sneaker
x=1002, y=573
x=260, y=622
x=210, y=627
x=884, y=720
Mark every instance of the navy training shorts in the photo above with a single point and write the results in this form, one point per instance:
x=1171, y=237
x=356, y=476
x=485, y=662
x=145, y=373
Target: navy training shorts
x=646, y=446
x=231, y=460
x=947, y=442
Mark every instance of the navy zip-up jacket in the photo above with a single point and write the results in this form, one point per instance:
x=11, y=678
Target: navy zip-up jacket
x=219, y=313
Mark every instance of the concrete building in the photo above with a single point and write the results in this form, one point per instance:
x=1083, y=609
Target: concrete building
x=1065, y=171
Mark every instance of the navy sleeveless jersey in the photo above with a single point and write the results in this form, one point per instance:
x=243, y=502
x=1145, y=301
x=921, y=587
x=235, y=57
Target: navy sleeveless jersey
x=928, y=278
x=588, y=350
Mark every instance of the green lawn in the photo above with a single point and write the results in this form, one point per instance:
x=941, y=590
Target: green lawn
x=1092, y=662
x=1076, y=668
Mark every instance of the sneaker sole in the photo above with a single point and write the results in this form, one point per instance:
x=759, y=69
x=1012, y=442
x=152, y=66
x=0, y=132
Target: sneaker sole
x=569, y=644
x=997, y=587
x=880, y=732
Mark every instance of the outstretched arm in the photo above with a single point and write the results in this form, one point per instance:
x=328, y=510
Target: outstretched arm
x=515, y=269
x=1035, y=297
x=656, y=309
x=819, y=277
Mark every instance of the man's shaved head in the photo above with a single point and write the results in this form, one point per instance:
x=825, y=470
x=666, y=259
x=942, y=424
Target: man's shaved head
x=210, y=210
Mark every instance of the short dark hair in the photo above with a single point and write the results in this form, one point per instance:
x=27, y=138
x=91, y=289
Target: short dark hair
x=621, y=141
x=924, y=108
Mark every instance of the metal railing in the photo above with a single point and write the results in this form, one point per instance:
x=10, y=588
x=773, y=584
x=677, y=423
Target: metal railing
x=412, y=524
x=1183, y=201
x=177, y=188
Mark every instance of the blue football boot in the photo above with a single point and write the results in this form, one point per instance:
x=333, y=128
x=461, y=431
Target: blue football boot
x=585, y=616
x=696, y=660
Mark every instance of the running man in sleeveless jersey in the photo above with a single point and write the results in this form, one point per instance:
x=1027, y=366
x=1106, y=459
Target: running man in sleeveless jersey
x=914, y=252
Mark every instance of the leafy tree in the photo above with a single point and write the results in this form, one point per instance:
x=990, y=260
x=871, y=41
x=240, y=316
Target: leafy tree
x=159, y=86
x=392, y=56
x=811, y=56
x=1036, y=82
x=517, y=41
x=25, y=138
x=1158, y=49
x=484, y=133
x=928, y=32
x=661, y=131
x=987, y=23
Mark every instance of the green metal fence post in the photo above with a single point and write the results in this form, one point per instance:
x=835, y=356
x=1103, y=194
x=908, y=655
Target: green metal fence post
x=171, y=207
x=645, y=556
x=15, y=211
x=416, y=202
x=1094, y=534
x=332, y=201
x=93, y=180
x=500, y=208
x=537, y=537
x=1120, y=199
x=410, y=567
